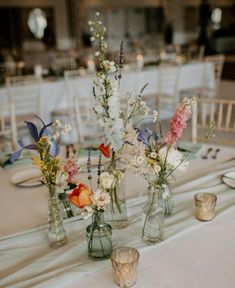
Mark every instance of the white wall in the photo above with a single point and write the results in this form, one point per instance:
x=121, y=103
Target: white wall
x=62, y=38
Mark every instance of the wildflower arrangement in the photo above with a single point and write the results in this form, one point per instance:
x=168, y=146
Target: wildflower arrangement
x=99, y=233
x=45, y=142
x=113, y=121
x=157, y=157
x=87, y=200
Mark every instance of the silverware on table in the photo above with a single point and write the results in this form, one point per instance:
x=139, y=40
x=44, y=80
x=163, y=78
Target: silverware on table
x=209, y=150
x=215, y=154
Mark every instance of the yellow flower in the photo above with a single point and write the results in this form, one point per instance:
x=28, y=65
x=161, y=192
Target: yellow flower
x=44, y=140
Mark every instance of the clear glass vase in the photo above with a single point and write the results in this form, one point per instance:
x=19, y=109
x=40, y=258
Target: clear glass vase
x=153, y=214
x=116, y=211
x=166, y=198
x=99, y=237
x=56, y=232
x=65, y=205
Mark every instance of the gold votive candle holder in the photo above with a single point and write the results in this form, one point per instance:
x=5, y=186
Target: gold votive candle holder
x=124, y=262
x=205, y=206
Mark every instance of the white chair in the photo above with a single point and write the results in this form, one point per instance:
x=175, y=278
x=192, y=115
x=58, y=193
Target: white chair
x=208, y=76
x=221, y=112
x=8, y=124
x=67, y=114
x=86, y=122
x=62, y=64
x=168, y=80
x=24, y=92
x=218, y=62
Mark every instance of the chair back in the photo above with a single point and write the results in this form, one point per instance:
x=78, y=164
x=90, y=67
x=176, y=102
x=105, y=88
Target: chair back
x=86, y=121
x=24, y=92
x=168, y=81
x=218, y=64
x=8, y=123
x=217, y=110
x=62, y=64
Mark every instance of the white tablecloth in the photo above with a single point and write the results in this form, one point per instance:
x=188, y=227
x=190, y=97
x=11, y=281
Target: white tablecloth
x=193, y=254
x=54, y=94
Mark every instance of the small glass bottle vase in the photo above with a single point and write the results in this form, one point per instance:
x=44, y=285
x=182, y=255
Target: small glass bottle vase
x=56, y=233
x=116, y=211
x=153, y=214
x=166, y=198
x=99, y=237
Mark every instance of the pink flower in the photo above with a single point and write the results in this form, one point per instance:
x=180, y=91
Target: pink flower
x=178, y=124
x=71, y=168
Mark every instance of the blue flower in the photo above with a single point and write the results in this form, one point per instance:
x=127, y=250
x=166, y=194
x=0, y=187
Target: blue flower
x=36, y=136
x=148, y=137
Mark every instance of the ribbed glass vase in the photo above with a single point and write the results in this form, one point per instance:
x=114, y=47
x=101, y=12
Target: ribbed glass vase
x=56, y=232
x=99, y=237
x=153, y=218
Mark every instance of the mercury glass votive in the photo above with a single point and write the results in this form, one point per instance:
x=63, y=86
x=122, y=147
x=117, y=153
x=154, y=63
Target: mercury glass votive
x=205, y=206
x=124, y=262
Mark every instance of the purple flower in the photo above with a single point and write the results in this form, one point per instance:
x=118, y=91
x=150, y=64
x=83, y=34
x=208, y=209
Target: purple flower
x=36, y=135
x=148, y=137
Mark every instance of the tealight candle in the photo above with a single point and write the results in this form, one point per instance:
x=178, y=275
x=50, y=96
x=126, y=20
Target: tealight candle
x=205, y=206
x=124, y=262
x=91, y=65
x=140, y=61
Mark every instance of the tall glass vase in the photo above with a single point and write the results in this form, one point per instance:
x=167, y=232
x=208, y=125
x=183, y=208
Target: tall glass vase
x=166, y=198
x=56, y=233
x=153, y=214
x=116, y=211
x=99, y=237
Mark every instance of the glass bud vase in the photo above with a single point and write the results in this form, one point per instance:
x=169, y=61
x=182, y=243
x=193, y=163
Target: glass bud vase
x=153, y=213
x=166, y=199
x=56, y=232
x=99, y=237
x=116, y=211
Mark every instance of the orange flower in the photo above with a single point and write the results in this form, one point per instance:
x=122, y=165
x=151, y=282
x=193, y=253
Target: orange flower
x=81, y=196
x=105, y=150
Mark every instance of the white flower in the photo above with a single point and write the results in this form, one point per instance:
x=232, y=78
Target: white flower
x=140, y=160
x=157, y=168
x=174, y=158
x=56, y=135
x=153, y=155
x=91, y=29
x=97, y=14
x=90, y=23
x=155, y=116
x=101, y=198
x=107, y=180
x=66, y=129
x=97, y=53
x=57, y=123
x=92, y=38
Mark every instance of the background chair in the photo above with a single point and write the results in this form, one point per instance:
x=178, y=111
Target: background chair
x=8, y=125
x=68, y=114
x=218, y=62
x=86, y=122
x=167, y=97
x=219, y=111
x=212, y=72
x=61, y=64
x=24, y=92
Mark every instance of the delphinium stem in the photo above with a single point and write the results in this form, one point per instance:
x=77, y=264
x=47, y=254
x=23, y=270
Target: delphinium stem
x=89, y=168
